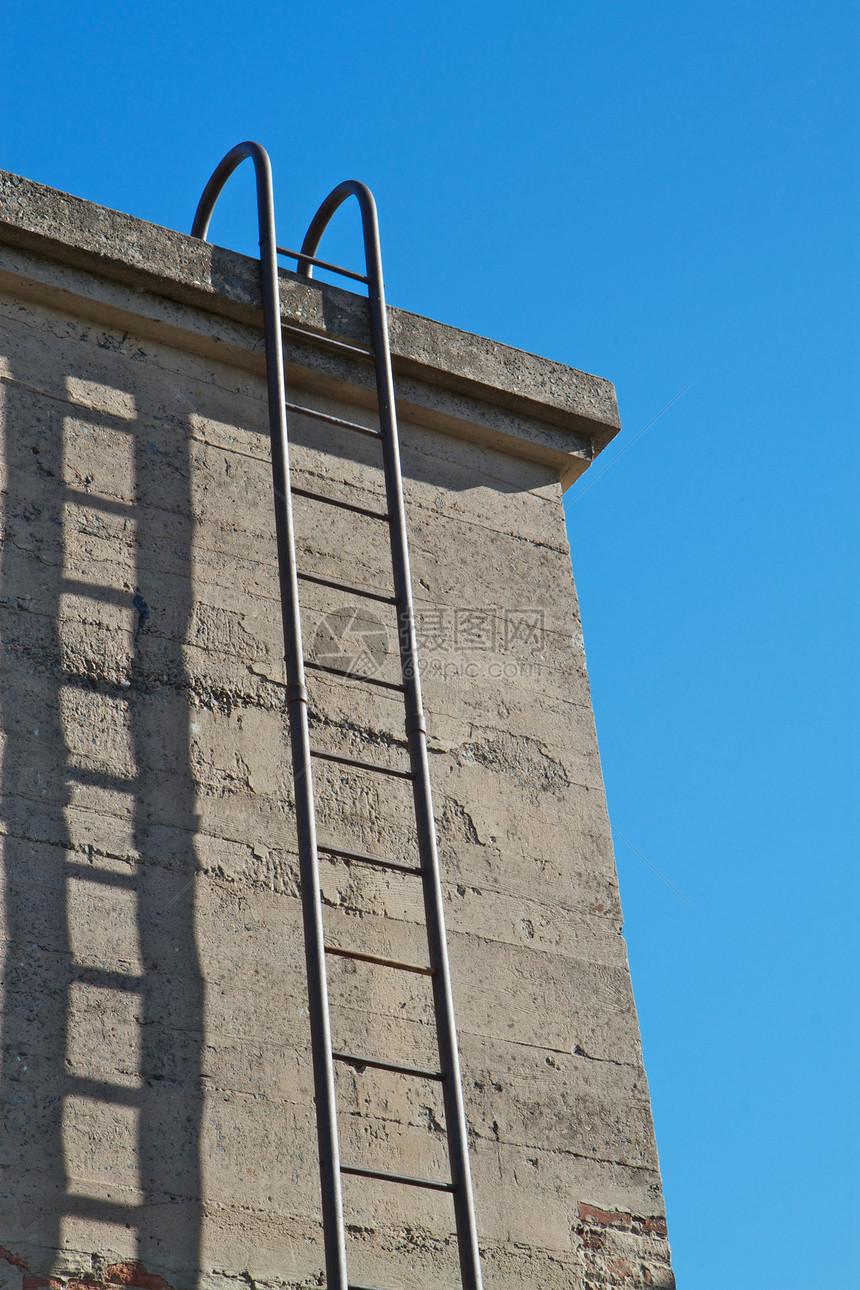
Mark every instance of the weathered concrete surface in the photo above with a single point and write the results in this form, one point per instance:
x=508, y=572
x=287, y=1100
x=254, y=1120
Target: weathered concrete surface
x=156, y=1081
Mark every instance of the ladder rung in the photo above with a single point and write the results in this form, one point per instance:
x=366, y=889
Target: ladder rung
x=110, y=505
x=361, y=765
x=355, y=676
x=348, y=587
x=100, y=779
x=105, y=979
x=406, y=1179
x=376, y=861
x=105, y=1210
x=332, y=420
x=321, y=264
x=350, y=1059
x=102, y=1091
x=95, y=591
x=381, y=962
x=354, y=1285
x=318, y=338
x=335, y=501
x=89, y=873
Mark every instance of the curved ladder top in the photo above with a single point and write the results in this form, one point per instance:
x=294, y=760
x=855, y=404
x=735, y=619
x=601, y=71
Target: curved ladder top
x=266, y=210
x=369, y=228
x=220, y=175
x=268, y=280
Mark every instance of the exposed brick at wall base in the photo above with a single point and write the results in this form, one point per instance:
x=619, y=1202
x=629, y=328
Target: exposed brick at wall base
x=16, y=1275
x=620, y=1249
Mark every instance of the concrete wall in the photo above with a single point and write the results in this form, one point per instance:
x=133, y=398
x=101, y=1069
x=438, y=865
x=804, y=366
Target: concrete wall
x=158, y=1120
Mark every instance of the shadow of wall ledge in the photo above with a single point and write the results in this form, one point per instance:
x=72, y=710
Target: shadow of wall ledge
x=66, y=252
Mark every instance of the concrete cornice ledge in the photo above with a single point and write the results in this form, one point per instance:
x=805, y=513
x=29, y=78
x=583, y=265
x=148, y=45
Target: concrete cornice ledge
x=157, y=282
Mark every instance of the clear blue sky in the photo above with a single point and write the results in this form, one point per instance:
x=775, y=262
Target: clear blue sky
x=659, y=193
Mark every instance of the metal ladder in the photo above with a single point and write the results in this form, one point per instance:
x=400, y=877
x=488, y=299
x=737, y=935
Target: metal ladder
x=303, y=755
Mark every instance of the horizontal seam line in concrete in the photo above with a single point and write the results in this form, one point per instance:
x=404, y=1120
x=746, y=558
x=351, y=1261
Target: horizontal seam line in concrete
x=454, y=934
x=131, y=858
x=482, y=1036
x=566, y=1152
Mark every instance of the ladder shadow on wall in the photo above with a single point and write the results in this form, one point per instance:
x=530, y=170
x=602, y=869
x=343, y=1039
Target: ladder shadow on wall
x=103, y=997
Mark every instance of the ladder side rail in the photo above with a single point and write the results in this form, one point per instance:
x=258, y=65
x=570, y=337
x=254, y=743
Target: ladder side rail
x=297, y=699
x=416, y=728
